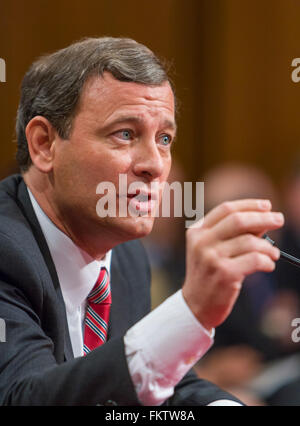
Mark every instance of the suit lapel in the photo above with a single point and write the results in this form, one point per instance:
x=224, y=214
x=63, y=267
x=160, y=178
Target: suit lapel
x=27, y=209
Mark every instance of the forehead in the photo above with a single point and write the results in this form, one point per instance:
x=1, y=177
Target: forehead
x=109, y=96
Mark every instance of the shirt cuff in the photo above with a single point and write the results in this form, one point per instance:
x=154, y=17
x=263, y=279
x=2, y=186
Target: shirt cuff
x=162, y=347
x=224, y=403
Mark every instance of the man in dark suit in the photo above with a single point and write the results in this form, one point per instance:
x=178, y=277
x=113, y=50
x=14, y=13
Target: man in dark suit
x=89, y=113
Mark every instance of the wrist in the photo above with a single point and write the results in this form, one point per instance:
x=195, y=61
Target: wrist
x=198, y=311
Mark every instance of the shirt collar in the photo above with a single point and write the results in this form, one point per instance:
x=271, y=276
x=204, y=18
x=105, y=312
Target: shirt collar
x=77, y=271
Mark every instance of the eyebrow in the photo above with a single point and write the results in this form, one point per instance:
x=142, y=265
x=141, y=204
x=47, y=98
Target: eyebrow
x=138, y=120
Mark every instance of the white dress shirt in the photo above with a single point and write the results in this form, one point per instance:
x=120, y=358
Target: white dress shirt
x=160, y=348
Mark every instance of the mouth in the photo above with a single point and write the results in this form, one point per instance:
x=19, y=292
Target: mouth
x=142, y=201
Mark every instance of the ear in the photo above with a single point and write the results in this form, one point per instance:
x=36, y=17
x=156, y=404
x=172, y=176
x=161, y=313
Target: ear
x=41, y=137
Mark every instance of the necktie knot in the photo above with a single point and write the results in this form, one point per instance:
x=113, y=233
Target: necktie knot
x=101, y=290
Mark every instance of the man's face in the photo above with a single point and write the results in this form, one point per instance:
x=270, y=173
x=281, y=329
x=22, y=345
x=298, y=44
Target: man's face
x=119, y=128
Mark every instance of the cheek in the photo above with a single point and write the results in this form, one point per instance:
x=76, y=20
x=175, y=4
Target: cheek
x=94, y=166
x=74, y=172
x=109, y=169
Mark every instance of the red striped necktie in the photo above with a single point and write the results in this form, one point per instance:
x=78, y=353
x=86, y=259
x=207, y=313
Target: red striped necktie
x=97, y=313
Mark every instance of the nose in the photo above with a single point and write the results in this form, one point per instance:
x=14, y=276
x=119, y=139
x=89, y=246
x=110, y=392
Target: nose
x=149, y=162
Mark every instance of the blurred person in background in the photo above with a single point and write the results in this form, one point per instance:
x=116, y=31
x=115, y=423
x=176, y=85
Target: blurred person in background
x=289, y=276
x=257, y=334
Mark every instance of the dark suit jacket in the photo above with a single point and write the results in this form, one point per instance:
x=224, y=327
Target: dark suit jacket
x=37, y=366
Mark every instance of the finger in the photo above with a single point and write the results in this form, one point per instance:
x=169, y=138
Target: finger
x=249, y=263
x=247, y=243
x=229, y=207
x=247, y=222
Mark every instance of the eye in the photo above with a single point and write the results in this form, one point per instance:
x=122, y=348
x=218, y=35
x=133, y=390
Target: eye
x=125, y=134
x=165, y=139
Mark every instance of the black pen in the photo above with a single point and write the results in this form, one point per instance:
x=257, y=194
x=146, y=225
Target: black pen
x=285, y=256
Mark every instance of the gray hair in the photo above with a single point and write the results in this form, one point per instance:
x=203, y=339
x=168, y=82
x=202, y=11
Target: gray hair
x=53, y=84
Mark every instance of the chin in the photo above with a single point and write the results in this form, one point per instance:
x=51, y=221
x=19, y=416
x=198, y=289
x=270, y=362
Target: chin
x=137, y=227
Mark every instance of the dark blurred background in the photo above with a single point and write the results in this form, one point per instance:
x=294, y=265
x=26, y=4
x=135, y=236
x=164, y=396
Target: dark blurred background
x=239, y=132
x=232, y=69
